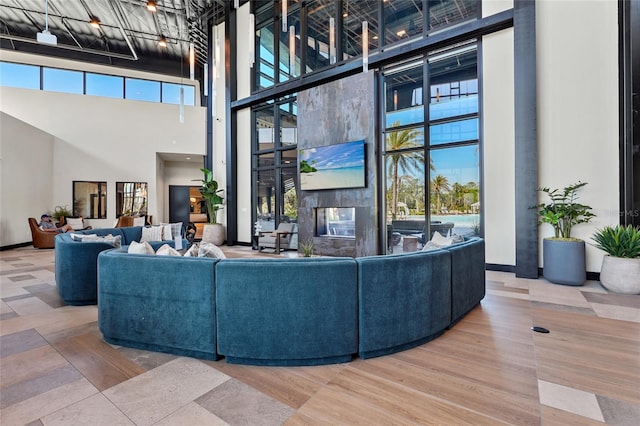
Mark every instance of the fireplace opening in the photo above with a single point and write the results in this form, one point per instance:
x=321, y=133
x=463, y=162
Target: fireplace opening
x=337, y=222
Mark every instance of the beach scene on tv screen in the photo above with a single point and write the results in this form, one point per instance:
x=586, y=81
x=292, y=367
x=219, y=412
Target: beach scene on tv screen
x=332, y=166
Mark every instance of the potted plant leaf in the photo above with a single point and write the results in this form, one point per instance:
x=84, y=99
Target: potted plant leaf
x=213, y=232
x=620, y=270
x=564, y=256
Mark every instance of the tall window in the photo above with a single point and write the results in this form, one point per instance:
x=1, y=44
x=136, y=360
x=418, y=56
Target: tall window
x=431, y=146
x=275, y=163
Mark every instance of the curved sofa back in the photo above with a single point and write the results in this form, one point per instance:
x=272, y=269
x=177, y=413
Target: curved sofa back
x=404, y=300
x=76, y=262
x=300, y=311
x=158, y=303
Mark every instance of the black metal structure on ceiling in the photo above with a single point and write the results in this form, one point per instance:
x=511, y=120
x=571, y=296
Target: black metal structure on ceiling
x=125, y=33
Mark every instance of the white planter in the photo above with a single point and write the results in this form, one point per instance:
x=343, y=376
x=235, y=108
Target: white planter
x=621, y=275
x=213, y=233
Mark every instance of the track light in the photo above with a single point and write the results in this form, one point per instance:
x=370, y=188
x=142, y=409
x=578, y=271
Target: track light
x=152, y=6
x=94, y=22
x=162, y=42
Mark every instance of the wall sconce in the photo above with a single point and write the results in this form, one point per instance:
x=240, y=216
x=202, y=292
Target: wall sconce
x=292, y=50
x=192, y=61
x=94, y=22
x=152, y=6
x=332, y=41
x=162, y=42
x=252, y=40
x=285, y=12
x=365, y=46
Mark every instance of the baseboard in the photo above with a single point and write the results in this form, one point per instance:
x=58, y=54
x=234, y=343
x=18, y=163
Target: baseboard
x=15, y=246
x=500, y=268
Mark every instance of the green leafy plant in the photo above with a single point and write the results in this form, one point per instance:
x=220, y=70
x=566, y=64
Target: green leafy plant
x=563, y=212
x=60, y=211
x=211, y=194
x=306, y=248
x=618, y=241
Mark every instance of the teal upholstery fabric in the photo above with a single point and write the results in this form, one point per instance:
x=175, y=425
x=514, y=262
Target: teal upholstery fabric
x=158, y=303
x=287, y=311
x=404, y=300
x=76, y=262
x=468, y=280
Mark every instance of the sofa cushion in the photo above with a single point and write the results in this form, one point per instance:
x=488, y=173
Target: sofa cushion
x=139, y=221
x=140, y=248
x=176, y=229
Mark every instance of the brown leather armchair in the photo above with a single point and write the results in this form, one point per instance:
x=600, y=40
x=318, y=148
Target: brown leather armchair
x=40, y=238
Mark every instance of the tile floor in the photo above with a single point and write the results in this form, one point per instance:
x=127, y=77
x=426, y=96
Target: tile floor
x=56, y=370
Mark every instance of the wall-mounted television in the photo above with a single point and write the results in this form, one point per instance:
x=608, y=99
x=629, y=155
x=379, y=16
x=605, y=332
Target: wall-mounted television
x=333, y=166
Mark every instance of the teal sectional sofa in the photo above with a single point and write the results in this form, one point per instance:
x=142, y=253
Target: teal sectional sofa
x=76, y=262
x=303, y=311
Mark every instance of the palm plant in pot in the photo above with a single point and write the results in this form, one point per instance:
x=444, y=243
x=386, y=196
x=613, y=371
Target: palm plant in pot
x=620, y=271
x=213, y=232
x=564, y=256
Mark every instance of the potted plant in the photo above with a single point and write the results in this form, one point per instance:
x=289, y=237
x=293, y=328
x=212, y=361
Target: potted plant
x=60, y=212
x=564, y=256
x=306, y=248
x=213, y=232
x=620, y=270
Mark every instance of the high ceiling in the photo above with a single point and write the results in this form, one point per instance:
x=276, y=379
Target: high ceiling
x=128, y=33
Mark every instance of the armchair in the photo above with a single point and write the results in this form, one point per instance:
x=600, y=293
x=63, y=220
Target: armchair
x=40, y=238
x=280, y=239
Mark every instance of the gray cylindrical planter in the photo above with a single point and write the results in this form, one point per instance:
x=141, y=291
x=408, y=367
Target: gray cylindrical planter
x=620, y=275
x=564, y=261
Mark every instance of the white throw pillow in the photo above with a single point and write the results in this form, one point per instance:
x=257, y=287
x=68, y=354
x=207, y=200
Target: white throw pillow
x=138, y=221
x=140, y=248
x=441, y=241
x=167, y=250
x=210, y=250
x=151, y=233
x=166, y=232
x=83, y=237
x=76, y=222
x=193, y=251
x=115, y=241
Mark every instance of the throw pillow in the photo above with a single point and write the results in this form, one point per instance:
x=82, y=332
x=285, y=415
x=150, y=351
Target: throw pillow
x=76, y=222
x=115, y=241
x=210, y=250
x=167, y=250
x=176, y=229
x=151, y=233
x=140, y=248
x=193, y=251
x=83, y=237
x=439, y=240
x=138, y=221
x=166, y=232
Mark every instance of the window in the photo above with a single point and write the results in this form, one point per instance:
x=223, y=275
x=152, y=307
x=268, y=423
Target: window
x=171, y=94
x=142, y=90
x=431, y=144
x=57, y=80
x=108, y=86
x=19, y=75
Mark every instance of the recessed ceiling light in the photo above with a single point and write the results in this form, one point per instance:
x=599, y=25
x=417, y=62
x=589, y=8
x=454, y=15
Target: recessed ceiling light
x=188, y=158
x=95, y=22
x=152, y=6
x=162, y=42
x=401, y=33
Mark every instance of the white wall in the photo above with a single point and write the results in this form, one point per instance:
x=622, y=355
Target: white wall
x=26, y=178
x=491, y=7
x=498, y=148
x=179, y=173
x=100, y=139
x=577, y=50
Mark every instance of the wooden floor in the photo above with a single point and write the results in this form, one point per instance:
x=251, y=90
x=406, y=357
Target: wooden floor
x=489, y=369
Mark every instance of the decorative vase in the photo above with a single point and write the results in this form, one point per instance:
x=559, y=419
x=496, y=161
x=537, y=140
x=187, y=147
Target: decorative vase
x=620, y=275
x=564, y=261
x=213, y=233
